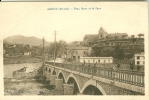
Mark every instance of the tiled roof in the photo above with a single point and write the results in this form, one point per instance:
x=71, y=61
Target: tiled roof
x=141, y=53
x=96, y=57
x=79, y=48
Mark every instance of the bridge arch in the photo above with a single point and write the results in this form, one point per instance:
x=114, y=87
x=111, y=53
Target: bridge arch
x=46, y=68
x=72, y=76
x=92, y=83
x=61, y=73
x=49, y=70
x=53, y=72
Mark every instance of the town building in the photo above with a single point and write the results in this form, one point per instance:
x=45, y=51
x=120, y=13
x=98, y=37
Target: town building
x=102, y=34
x=27, y=53
x=96, y=59
x=139, y=59
x=75, y=53
x=117, y=36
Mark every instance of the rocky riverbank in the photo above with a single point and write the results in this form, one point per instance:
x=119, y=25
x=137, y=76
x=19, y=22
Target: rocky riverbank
x=26, y=86
x=37, y=85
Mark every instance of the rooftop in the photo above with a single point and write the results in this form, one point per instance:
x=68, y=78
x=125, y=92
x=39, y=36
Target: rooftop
x=96, y=57
x=141, y=53
x=79, y=48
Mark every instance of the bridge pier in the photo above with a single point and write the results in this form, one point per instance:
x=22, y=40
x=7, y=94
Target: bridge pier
x=52, y=79
x=44, y=73
x=68, y=89
x=59, y=86
x=48, y=76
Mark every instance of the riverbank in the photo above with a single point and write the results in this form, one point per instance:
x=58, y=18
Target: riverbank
x=27, y=86
x=9, y=68
x=21, y=59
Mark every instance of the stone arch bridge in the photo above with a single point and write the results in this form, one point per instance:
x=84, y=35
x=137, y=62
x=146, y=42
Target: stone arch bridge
x=71, y=80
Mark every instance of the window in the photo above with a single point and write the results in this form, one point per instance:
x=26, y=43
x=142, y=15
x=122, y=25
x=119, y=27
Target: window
x=98, y=61
x=84, y=61
x=143, y=62
x=49, y=70
x=78, y=57
x=104, y=61
x=138, y=62
x=93, y=60
x=138, y=57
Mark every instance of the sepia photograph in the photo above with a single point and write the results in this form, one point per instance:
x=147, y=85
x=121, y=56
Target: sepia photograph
x=70, y=48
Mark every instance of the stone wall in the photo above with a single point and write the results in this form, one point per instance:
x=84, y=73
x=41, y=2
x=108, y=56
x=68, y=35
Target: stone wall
x=68, y=89
x=111, y=89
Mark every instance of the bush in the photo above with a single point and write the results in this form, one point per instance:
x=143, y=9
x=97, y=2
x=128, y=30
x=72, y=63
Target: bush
x=69, y=60
x=40, y=71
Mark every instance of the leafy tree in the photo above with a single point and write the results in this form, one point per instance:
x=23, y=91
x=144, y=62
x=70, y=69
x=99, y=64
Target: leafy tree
x=140, y=35
x=119, y=52
x=60, y=48
x=37, y=50
x=90, y=40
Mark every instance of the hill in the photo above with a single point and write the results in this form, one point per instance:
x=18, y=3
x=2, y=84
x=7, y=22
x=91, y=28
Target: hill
x=19, y=39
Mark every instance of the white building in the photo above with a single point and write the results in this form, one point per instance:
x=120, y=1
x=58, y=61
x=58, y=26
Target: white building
x=27, y=53
x=139, y=58
x=96, y=59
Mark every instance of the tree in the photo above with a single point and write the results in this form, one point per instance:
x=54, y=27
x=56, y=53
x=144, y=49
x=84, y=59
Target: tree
x=119, y=52
x=60, y=48
x=133, y=38
x=37, y=50
x=90, y=40
x=140, y=35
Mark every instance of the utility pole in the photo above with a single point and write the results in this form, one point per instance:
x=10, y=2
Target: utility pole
x=54, y=49
x=43, y=52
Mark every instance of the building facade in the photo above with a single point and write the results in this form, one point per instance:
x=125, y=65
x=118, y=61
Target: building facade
x=102, y=34
x=139, y=59
x=96, y=59
x=76, y=52
x=27, y=53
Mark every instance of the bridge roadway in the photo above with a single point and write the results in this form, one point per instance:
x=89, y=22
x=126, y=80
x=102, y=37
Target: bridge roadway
x=78, y=79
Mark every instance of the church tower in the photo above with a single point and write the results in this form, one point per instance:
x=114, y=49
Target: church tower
x=102, y=33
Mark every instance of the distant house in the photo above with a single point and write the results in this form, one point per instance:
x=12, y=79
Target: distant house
x=27, y=53
x=76, y=52
x=139, y=58
x=63, y=57
x=96, y=59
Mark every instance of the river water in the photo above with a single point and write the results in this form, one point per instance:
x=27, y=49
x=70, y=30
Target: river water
x=25, y=86
x=8, y=69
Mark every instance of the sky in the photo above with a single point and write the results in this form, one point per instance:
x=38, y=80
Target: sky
x=34, y=19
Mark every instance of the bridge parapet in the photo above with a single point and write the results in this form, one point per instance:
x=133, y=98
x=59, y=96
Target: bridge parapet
x=123, y=76
x=124, y=82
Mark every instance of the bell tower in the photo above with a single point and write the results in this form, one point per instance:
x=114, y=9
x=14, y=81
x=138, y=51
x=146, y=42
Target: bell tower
x=102, y=33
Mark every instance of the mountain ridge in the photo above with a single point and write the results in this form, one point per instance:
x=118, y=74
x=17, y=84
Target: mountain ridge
x=20, y=39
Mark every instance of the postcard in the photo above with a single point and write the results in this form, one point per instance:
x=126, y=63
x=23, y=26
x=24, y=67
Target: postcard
x=58, y=50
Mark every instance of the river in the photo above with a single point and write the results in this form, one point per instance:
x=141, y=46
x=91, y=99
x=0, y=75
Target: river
x=8, y=69
x=24, y=86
